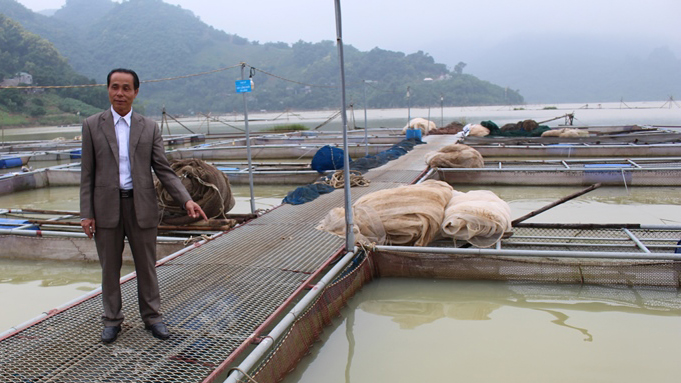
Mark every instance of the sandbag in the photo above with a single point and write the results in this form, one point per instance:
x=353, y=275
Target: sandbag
x=478, y=216
x=455, y=156
x=207, y=186
x=406, y=215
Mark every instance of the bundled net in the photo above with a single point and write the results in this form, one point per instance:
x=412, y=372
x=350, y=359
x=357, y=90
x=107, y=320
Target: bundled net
x=416, y=215
x=478, y=216
x=451, y=128
x=455, y=156
x=425, y=126
x=406, y=215
x=525, y=128
x=396, y=151
x=566, y=133
x=477, y=130
x=207, y=186
x=307, y=193
x=327, y=158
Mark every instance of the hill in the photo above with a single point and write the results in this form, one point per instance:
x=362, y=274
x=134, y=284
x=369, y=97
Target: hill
x=26, y=52
x=160, y=41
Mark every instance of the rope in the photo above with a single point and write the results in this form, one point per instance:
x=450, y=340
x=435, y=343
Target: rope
x=333, y=117
x=337, y=180
x=252, y=72
x=293, y=81
x=142, y=82
x=243, y=372
x=192, y=240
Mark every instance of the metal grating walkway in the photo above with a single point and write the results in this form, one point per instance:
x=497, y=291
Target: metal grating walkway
x=214, y=297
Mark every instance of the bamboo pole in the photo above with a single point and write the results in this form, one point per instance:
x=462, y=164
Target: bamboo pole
x=160, y=227
x=553, y=204
x=42, y=211
x=238, y=217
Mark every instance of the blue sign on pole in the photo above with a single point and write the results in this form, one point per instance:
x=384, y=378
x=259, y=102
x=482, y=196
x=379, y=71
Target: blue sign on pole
x=243, y=86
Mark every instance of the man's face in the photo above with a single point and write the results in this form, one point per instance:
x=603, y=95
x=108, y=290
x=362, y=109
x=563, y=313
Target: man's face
x=122, y=92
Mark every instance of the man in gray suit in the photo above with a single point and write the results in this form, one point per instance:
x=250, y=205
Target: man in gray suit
x=118, y=199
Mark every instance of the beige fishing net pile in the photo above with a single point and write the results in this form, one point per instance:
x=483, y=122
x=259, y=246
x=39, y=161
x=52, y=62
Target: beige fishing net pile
x=425, y=126
x=477, y=130
x=207, y=186
x=416, y=215
x=406, y=215
x=455, y=156
x=478, y=216
x=566, y=132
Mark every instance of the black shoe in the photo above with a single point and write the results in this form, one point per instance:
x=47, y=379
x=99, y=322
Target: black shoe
x=110, y=333
x=158, y=330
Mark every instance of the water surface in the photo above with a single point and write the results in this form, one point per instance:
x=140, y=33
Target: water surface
x=417, y=330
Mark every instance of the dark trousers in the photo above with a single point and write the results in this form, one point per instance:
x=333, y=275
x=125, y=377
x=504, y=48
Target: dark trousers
x=110, y=243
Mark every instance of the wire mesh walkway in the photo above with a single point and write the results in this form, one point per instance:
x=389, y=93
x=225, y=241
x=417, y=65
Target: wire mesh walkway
x=214, y=297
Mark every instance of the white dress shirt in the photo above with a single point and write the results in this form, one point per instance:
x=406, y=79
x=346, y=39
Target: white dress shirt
x=122, y=125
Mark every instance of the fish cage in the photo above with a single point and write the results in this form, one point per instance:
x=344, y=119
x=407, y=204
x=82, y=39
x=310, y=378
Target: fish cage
x=592, y=254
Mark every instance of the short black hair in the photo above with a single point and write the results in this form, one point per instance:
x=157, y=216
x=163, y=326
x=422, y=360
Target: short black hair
x=135, y=78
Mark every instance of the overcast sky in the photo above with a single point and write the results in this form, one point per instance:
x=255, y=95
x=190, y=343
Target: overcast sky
x=446, y=29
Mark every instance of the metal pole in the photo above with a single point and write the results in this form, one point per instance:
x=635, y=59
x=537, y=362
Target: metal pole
x=534, y=253
x=248, y=144
x=366, y=138
x=442, y=111
x=408, y=106
x=349, y=235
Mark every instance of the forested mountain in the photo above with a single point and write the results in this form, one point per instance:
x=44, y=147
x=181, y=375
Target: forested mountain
x=160, y=41
x=22, y=51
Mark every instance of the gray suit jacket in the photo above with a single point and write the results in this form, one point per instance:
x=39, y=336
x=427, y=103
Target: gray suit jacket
x=99, y=182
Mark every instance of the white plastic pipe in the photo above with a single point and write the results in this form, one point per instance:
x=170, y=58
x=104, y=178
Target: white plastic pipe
x=534, y=253
x=68, y=234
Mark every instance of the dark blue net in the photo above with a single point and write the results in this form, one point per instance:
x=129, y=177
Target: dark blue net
x=327, y=158
x=307, y=193
x=331, y=158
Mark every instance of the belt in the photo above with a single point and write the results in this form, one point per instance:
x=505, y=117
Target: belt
x=126, y=193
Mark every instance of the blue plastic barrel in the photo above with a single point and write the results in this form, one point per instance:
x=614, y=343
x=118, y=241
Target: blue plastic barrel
x=10, y=162
x=414, y=134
